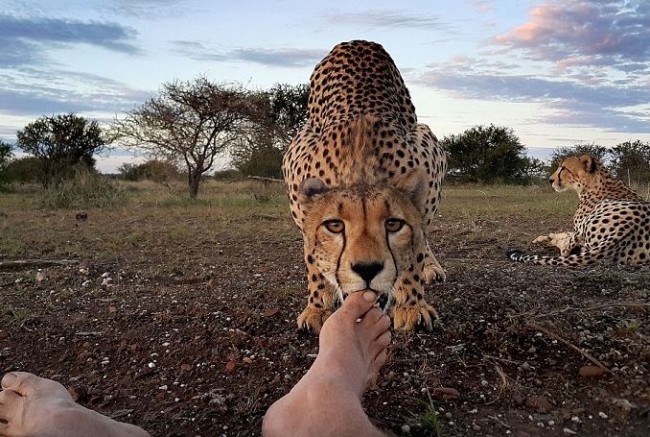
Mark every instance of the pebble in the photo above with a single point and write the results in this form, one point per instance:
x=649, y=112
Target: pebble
x=539, y=403
x=406, y=429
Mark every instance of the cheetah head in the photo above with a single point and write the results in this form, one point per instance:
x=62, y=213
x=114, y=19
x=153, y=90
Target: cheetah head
x=575, y=172
x=364, y=236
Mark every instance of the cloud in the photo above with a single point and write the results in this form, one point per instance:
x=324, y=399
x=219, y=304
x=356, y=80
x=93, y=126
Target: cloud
x=279, y=57
x=149, y=9
x=26, y=39
x=569, y=102
x=580, y=33
x=386, y=19
x=36, y=92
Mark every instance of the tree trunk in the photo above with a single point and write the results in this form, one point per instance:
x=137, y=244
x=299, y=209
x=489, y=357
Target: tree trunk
x=194, y=179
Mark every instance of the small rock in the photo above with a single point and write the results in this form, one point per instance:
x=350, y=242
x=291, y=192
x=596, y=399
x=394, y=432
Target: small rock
x=270, y=312
x=231, y=366
x=592, y=372
x=518, y=399
x=406, y=429
x=186, y=367
x=247, y=360
x=623, y=405
x=445, y=393
x=539, y=403
x=40, y=276
x=569, y=431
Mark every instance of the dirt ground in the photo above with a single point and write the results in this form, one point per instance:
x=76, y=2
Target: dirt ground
x=182, y=321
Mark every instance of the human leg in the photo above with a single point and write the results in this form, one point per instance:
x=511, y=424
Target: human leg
x=327, y=399
x=34, y=406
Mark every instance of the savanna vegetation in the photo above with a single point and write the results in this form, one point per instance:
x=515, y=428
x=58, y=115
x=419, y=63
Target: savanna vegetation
x=178, y=314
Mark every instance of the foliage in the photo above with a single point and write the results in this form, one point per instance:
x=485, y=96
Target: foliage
x=259, y=148
x=154, y=170
x=60, y=143
x=257, y=159
x=489, y=154
x=188, y=122
x=287, y=111
x=24, y=170
x=429, y=420
x=631, y=162
x=628, y=161
x=595, y=150
x=84, y=190
x=5, y=157
x=227, y=175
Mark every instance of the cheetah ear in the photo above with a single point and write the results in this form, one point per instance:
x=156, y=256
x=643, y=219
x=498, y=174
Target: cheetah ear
x=414, y=185
x=589, y=163
x=311, y=187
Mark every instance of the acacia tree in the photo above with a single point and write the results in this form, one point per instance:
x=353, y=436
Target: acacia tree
x=631, y=161
x=60, y=143
x=188, y=122
x=5, y=156
x=489, y=154
x=259, y=148
x=593, y=149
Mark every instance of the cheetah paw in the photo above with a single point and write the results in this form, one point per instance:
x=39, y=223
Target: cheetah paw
x=434, y=273
x=407, y=319
x=312, y=319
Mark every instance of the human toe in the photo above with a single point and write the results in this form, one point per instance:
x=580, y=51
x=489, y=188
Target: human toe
x=28, y=384
x=357, y=304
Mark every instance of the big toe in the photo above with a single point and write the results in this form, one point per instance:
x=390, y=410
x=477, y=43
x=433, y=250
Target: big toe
x=358, y=303
x=28, y=384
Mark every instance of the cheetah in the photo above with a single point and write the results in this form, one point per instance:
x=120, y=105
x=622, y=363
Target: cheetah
x=364, y=181
x=611, y=223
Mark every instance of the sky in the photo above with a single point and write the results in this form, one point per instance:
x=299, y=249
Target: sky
x=556, y=72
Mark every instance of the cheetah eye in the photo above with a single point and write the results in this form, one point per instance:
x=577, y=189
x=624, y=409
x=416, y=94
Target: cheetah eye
x=334, y=226
x=394, y=225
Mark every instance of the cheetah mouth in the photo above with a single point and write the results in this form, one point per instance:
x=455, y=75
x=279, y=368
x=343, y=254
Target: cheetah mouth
x=382, y=302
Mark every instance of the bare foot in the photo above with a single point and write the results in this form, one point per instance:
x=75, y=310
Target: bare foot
x=327, y=400
x=33, y=406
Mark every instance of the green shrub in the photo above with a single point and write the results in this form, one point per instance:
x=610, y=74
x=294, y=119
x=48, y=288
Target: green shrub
x=85, y=190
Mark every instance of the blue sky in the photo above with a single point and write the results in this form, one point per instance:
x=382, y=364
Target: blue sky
x=557, y=72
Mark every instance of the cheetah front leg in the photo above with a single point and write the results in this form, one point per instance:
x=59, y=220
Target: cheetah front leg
x=411, y=309
x=321, y=302
x=433, y=271
x=565, y=241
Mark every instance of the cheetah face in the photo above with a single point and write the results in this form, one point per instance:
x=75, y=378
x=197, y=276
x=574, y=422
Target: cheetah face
x=362, y=237
x=573, y=173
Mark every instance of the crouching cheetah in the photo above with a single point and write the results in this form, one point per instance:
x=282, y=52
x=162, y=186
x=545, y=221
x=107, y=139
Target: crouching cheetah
x=364, y=182
x=612, y=222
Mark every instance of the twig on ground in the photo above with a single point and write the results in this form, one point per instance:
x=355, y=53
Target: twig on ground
x=532, y=314
x=504, y=383
x=499, y=421
x=551, y=334
x=28, y=263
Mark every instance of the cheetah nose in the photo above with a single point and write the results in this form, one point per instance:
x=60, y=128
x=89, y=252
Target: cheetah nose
x=367, y=271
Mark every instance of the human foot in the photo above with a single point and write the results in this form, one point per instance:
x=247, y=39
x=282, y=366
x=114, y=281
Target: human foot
x=327, y=400
x=33, y=406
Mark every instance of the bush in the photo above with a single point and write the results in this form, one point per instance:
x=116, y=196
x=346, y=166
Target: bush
x=228, y=175
x=154, y=170
x=24, y=170
x=85, y=190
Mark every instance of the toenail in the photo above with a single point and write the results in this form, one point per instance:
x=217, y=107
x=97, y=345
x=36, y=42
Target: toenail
x=9, y=380
x=369, y=296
